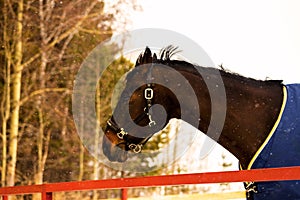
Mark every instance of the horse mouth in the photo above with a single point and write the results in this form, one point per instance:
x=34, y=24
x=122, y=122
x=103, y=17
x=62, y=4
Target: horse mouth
x=114, y=153
x=120, y=156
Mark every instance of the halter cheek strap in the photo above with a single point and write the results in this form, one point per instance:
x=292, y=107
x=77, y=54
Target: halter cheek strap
x=148, y=95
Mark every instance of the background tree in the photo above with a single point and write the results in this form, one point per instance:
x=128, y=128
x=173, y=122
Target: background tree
x=13, y=48
x=43, y=44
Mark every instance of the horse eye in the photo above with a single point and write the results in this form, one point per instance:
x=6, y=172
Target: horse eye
x=126, y=98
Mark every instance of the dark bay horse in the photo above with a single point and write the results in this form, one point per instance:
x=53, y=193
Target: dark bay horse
x=253, y=109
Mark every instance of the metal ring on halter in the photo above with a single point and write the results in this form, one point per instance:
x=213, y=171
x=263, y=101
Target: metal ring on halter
x=136, y=148
x=121, y=134
x=148, y=93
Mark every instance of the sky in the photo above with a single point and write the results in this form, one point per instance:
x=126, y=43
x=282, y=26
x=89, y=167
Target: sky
x=257, y=38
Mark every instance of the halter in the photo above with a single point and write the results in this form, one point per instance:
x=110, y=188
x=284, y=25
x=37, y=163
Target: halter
x=123, y=135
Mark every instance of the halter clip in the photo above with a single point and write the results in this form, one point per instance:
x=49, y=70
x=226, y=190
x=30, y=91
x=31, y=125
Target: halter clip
x=152, y=122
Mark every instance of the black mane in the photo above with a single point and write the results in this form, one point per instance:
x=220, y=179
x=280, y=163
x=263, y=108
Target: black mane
x=169, y=51
x=165, y=58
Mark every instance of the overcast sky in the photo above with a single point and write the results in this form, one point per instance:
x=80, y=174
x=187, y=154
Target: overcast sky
x=257, y=38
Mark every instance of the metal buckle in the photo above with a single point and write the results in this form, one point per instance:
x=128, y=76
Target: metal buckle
x=250, y=187
x=136, y=148
x=121, y=134
x=148, y=93
x=152, y=122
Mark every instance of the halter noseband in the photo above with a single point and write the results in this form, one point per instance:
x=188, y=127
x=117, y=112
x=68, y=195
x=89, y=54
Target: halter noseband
x=122, y=134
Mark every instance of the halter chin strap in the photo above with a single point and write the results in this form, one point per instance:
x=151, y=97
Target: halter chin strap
x=122, y=134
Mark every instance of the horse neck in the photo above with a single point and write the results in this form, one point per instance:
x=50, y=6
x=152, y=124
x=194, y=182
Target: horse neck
x=252, y=108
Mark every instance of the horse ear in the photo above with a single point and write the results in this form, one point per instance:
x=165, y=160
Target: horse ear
x=154, y=59
x=145, y=58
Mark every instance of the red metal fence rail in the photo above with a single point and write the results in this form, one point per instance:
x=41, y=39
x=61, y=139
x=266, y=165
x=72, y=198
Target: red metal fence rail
x=257, y=175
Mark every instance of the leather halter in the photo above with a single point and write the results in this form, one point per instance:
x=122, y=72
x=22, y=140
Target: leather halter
x=123, y=135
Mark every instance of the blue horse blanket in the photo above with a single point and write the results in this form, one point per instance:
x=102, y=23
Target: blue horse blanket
x=281, y=149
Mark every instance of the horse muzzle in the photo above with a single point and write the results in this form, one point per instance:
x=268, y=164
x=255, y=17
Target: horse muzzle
x=113, y=152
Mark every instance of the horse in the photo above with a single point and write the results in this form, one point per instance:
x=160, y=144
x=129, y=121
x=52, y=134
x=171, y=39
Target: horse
x=255, y=116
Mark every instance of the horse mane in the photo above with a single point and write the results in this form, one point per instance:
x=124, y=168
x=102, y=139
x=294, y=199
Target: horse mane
x=165, y=58
x=168, y=52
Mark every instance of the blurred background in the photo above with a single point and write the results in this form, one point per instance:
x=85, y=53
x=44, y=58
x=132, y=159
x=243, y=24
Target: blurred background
x=43, y=44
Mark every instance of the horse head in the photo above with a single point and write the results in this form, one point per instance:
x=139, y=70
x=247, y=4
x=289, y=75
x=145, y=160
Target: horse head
x=137, y=115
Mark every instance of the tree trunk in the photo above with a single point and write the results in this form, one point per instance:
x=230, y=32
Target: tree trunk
x=81, y=163
x=96, y=143
x=16, y=93
x=5, y=103
x=38, y=178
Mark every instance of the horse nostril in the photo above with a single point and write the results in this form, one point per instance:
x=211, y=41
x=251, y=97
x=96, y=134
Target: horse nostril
x=106, y=146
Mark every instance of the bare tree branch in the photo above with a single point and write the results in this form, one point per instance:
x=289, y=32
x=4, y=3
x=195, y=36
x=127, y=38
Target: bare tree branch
x=43, y=91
